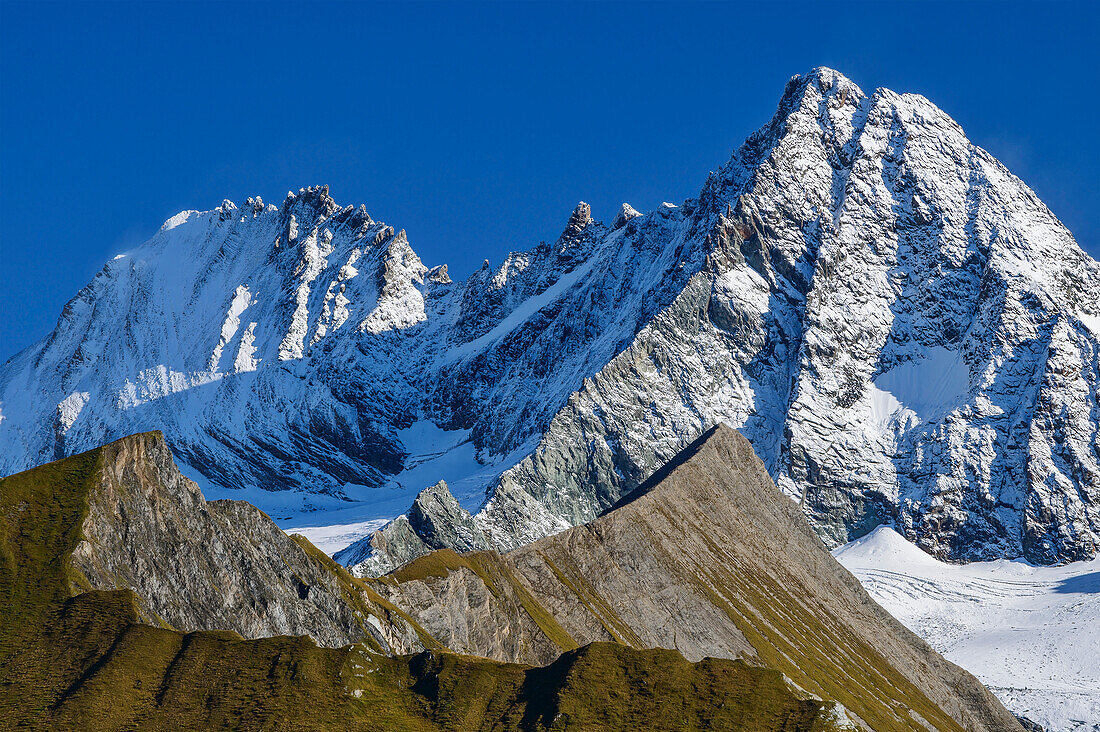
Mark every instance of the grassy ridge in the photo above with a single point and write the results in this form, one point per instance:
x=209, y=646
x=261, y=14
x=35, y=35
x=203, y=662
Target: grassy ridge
x=76, y=658
x=41, y=512
x=96, y=668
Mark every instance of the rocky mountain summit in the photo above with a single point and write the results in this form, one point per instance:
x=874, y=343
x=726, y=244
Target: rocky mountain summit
x=108, y=556
x=903, y=331
x=128, y=520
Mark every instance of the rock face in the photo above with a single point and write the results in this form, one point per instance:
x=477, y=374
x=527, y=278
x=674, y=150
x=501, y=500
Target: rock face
x=217, y=565
x=435, y=521
x=904, y=332
x=707, y=557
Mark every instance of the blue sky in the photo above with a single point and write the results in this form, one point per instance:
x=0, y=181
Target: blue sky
x=475, y=127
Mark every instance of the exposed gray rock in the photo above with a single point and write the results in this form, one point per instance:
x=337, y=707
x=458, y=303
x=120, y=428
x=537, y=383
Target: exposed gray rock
x=217, y=565
x=1028, y=725
x=434, y=521
x=440, y=522
x=578, y=221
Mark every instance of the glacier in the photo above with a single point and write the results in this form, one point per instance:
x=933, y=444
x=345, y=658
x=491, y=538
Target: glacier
x=1030, y=633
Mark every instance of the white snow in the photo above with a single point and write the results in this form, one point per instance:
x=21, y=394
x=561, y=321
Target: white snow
x=884, y=405
x=745, y=286
x=181, y=218
x=520, y=314
x=435, y=454
x=313, y=262
x=332, y=538
x=329, y=523
x=340, y=311
x=158, y=382
x=929, y=387
x=69, y=409
x=1092, y=322
x=516, y=263
x=242, y=298
x=400, y=303
x=325, y=317
x=246, y=354
x=348, y=271
x=1030, y=633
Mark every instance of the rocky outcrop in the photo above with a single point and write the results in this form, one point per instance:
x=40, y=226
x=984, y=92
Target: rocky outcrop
x=214, y=565
x=435, y=521
x=904, y=332
x=709, y=558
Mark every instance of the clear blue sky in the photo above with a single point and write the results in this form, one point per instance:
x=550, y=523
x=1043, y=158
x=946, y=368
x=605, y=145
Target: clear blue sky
x=475, y=127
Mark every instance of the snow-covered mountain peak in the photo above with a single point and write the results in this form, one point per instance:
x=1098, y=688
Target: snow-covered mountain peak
x=821, y=93
x=901, y=328
x=626, y=213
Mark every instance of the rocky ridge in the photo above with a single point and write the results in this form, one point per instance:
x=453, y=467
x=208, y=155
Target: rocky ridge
x=74, y=657
x=858, y=286
x=214, y=565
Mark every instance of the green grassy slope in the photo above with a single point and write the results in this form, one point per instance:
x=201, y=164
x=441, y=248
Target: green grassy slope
x=74, y=658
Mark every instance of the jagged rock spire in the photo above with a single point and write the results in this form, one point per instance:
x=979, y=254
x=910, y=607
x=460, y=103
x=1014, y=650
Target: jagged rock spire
x=578, y=221
x=626, y=213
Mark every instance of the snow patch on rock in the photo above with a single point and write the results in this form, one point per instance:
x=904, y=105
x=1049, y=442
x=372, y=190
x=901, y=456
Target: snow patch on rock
x=926, y=387
x=242, y=298
x=69, y=409
x=246, y=352
x=309, y=267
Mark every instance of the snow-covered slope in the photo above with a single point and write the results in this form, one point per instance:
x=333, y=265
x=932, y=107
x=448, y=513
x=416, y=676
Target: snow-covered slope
x=1031, y=634
x=902, y=329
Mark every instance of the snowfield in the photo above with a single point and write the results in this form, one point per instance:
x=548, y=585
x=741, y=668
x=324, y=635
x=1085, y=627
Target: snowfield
x=1030, y=633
